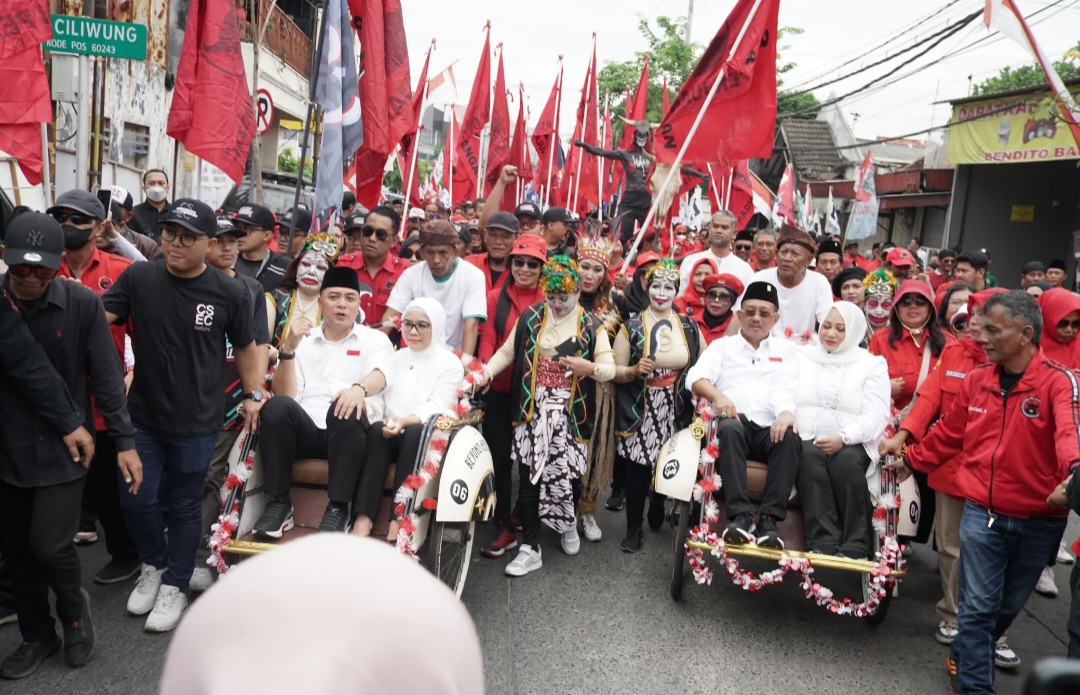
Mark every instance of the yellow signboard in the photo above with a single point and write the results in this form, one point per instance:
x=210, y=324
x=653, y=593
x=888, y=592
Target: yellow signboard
x=1022, y=213
x=1012, y=129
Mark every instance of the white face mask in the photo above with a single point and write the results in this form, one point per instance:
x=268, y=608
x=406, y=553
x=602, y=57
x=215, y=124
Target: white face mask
x=156, y=193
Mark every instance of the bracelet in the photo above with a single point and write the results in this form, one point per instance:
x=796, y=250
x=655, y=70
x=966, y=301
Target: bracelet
x=286, y=356
x=364, y=389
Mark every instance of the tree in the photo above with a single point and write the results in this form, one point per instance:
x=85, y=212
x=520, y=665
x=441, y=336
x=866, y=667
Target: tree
x=1028, y=75
x=793, y=105
x=287, y=162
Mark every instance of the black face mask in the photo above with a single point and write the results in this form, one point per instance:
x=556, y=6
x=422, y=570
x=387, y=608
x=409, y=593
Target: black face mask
x=75, y=238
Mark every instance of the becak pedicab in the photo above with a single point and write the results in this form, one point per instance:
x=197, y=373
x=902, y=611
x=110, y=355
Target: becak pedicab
x=685, y=472
x=450, y=488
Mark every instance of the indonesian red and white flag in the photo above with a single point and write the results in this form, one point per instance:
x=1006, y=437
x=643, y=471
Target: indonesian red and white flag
x=784, y=207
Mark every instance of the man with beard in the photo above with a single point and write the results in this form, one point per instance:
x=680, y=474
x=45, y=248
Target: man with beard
x=376, y=268
x=721, y=232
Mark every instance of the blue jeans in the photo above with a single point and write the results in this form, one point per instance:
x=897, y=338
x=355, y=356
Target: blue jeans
x=999, y=566
x=174, y=471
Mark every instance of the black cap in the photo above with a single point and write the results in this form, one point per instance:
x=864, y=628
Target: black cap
x=258, y=215
x=80, y=201
x=1056, y=263
x=528, y=210
x=1033, y=267
x=354, y=221
x=34, y=238
x=829, y=245
x=413, y=238
x=504, y=221
x=852, y=273
x=348, y=199
x=193, y=215
x=227, y=226
x=302, y=216
x=744, y=235
x=557, y=215
x=340, y=276
x=463, y=232
x=764, y=291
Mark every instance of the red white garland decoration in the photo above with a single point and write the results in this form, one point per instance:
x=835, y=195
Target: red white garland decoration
x=440, y=439
x=803, y=338
x=888, y=557
x=228, y=522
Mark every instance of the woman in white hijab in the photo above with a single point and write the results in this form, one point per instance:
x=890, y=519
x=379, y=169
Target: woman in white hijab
x=304, y=618
x=427, y=376
x=838, y=401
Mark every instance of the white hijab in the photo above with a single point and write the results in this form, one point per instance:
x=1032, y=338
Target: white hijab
x=329, y=613
x=848, y=351
x=436, y=315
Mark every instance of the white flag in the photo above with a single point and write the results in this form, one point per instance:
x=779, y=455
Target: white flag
x=832, y=220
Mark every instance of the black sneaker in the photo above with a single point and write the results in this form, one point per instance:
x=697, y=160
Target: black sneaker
x=79, y=637
x=335, y=518
x=656, y=515
x=740, y=530
x=633, y=541
x=768, y=536
x=28, y=657
x=276, y=519
x=8, y=614
x=617, y=500
x=116, y=571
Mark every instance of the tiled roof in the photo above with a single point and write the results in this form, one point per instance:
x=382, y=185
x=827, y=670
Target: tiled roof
x=812, y=147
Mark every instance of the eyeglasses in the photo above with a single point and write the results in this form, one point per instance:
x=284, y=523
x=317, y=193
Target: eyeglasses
x=368, y=230
x=751, y=313
x=409, y=326
x=1075, y=325
x=25, y=271
x=913, y=300
x=74, y=217
x=531, y=263
x=744, y=247
x=186, y=240
x=717, y=296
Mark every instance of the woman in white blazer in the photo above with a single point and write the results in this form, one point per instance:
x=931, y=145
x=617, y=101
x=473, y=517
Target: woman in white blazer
x=837, y=398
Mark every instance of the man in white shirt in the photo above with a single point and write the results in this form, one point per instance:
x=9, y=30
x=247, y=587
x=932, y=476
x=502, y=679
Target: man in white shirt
x=459, y=286
x=805, y=297
x=721, y=233
x=324, y=374
x=738, y=374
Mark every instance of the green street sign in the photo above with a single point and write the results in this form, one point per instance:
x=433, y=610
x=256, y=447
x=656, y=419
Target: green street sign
x=97, y=37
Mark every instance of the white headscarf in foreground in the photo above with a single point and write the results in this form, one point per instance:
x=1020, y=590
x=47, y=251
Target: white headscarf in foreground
x=436, y=315
x=329, y=614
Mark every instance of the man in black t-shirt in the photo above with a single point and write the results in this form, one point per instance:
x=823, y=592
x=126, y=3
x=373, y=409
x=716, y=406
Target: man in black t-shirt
x=256, y=259
x=184, y=314
x=221, y=254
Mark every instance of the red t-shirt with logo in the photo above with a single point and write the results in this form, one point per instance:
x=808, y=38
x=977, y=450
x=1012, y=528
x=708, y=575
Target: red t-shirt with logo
x=373, y=299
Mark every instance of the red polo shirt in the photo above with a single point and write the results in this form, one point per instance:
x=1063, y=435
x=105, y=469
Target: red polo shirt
x=481, y=261
x=374, y=304
x=99, y=275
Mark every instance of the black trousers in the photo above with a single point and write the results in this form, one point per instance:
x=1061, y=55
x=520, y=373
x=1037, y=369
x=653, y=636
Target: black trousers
x=499, y=433
x=381, y=452
x=39, y=525
x=638, y=479
x=287, y=433
x=636, y=206
x=741, y=438
x=618, y=474
x=101, y=502
x=835, y=500
x=529, y=499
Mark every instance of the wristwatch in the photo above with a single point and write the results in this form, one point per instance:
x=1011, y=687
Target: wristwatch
x=255, y=395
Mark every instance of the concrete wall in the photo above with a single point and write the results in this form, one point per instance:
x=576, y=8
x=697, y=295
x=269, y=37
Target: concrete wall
x=983, y=200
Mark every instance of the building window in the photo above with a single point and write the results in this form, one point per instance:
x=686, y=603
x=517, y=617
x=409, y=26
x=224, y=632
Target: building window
x=135, y=145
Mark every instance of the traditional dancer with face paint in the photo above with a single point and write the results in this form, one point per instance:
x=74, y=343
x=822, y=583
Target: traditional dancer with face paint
x=880, y=286
x=298, y=295
x=554, y=347
x=653, y=351
x=636, y=198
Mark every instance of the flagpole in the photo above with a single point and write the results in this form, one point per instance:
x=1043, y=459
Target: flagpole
x=712, y=183
x=554, y=135
x=416, y=136
x=599, y=163
x=690, y=135
x=321, y=14
x=585, y=115
x=453, y=154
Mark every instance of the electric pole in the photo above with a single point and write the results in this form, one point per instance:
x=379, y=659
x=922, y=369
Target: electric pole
x=689, y=20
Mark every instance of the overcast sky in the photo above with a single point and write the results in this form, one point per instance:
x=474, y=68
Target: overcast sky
x=836, y=31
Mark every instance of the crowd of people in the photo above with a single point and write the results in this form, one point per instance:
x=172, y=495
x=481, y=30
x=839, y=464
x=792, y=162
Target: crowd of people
x=137, y=341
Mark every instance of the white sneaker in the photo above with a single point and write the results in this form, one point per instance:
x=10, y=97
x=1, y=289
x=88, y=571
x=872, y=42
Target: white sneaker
x=168, y=608
x=1046, y=585
x=571, y=543
x=201, y=579
x=526, y=561
x=590, y=529
x=145, y=594
x=1064, y=556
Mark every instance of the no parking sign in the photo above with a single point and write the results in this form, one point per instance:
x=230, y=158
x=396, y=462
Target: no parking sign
x=264, y=111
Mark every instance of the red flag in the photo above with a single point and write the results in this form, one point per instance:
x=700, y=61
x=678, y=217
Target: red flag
x=667, y=105
x=211, y=109
x=545, y=140
x=607, y=165
x=784, y=206
x=407, y=140
x=476, y=113
x=24, y=24
x=385, y=91
x=580, y=182
x=519, y=152
x=742, y=113
x=740, y=191
x=25, y=99
x=466, y=160
x=499, y=142
x=636, y=112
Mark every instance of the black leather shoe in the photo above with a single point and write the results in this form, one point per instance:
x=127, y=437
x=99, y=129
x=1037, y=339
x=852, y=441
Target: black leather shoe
x=28, y=657
x=79, y=637
x=335, y=518
x=768, y=536
x=656, y=515
x=740, y=531
x=276, y=519
x=116, y=571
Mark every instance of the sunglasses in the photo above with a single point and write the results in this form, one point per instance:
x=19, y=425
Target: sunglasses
x=186, y=240
x=743, y=247
x=73, y=217
x=913, y=301
x=717, y=296
x=1075, y=325
x=531, y=263
x=368, y=230
x=25, y=271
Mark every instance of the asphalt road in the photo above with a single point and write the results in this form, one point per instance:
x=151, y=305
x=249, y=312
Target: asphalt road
x=603, y=622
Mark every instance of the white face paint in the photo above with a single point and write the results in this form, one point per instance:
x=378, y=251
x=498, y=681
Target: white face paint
x=311, y=270
x=562, y=304
x=662, y=293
